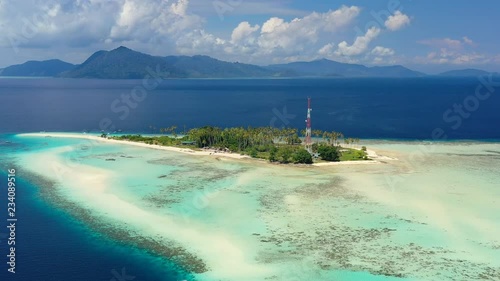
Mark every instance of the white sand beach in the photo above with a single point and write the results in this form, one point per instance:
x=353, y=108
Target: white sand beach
x=97, y=139
x=375, y=158
x=432, y=214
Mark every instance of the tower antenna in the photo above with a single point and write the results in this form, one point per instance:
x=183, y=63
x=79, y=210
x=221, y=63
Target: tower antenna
x=308, y=141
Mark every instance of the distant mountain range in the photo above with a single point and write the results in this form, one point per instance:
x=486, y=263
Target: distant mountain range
x=464, y=73
x=37, y=68
x=326, y=68
x=124, y=63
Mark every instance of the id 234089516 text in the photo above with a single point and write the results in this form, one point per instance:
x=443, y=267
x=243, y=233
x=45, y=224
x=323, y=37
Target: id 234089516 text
x=11, y=220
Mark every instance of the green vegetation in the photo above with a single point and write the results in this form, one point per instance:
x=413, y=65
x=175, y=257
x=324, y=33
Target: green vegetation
x=272, y=154
x=302, y=156
x=349, y=154
x=273, y=144
x=284, y=154
x=161, y=140
x=329, y=153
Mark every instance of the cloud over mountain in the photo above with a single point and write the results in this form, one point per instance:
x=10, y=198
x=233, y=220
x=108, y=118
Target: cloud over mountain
x=253, y=31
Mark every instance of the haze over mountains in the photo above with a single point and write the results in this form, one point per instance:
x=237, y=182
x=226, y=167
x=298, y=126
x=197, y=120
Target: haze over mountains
x=464, y=72
x=37, y=68
x=124, y=63
x=326, y=68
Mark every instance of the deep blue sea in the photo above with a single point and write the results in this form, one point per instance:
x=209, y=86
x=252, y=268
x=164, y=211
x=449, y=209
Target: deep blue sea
x=361, y=108
x=53, y=246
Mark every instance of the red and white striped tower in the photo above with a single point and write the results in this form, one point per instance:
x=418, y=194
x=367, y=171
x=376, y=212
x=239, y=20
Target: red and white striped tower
x=308, y=141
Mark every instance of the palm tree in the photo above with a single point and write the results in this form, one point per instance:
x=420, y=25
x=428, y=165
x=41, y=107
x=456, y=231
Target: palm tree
x=339, y=136
x=326, y=137
x=317, y=133
x=173, y=130
x=291, y=135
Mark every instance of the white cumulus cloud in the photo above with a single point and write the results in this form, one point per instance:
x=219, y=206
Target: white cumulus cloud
x=294, y=35
x=338, y=18
x=58, y=23
x=281, y=40
x=244, y=32
x=360, y=45
x=397, y=21
x=164, y=27
x=382, y=51
x=180, y=7
x=271, y=24
x=327, y=50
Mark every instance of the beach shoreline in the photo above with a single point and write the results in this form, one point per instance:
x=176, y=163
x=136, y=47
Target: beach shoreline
x=374, y=157
x=138, y=144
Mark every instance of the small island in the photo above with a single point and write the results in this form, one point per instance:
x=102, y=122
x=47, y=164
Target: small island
x=277, y=145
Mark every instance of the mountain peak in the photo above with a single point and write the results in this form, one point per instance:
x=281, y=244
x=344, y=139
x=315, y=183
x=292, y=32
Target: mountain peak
x=124, y=63
x=121, y=49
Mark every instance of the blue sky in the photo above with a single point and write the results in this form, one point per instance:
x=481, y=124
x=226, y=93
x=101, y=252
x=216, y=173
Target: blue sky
x=429, y=36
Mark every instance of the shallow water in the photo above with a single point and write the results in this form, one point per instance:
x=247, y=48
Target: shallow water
x=426, y=216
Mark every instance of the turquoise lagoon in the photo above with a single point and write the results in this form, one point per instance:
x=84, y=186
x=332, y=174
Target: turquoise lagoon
x=430, y=213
